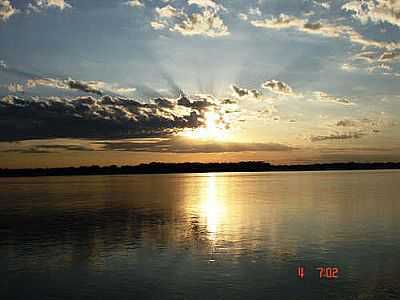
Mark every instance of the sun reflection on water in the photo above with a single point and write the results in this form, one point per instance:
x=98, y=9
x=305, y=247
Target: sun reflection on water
x=212, y=207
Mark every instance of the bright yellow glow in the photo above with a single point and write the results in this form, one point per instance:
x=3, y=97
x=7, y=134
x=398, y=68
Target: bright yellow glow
x=212, y=208
x=214, y=128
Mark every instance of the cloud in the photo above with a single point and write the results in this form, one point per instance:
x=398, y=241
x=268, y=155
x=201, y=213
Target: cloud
x=167, y=11
x=243, y=17
x=368, y=56
x=15, y=88
x=3, y=65
x=135, y=3
x=206, y=4
x=346, y=123
x=376, y=11
x=348, y=128
x=166, y=103
x=89, y=117
x=321, y=28
x=38, y=5
x=337, y=136
x=372, y=125
x=281, y=22
x=206, y=23
x=323, y=3
x=374, y=61
x=348, y=67
x=228, y=101
x=187, y=22
x=83, y=86
x=254, y=11
x=183, y=145
x=242, y=92
x=94, y=87
x=157, y=25
x=389, y=56
x=194, y=104
x=324, y=97
x=49, y=148
x=6, y=10
x=278, y=87
x=88, y=87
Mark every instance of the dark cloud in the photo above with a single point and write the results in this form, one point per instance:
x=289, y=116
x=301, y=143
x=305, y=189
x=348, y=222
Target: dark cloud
x=164, y=102
x=83, y=86
x=89, y=117
x=194, y=104
x=32, y=150
x=61, y=147
x=242, y=92
x=338, y=136
x=346, y=123
x=278, y=87
x=183, y=145
x=50, y=148
x=228, y=101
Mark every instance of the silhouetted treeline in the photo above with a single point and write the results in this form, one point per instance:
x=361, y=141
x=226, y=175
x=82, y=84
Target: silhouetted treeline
x=164, y=168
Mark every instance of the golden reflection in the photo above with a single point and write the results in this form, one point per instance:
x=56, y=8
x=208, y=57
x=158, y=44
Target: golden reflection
x=212, y=206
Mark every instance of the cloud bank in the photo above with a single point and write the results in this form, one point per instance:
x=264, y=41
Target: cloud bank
x=89, y=117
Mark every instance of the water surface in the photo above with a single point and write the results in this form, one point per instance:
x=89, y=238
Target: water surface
x=201, y=236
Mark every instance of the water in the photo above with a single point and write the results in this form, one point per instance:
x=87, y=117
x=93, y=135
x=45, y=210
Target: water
x=201, y=236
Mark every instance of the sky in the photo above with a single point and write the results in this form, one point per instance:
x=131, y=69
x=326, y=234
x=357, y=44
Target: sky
x=125, y=82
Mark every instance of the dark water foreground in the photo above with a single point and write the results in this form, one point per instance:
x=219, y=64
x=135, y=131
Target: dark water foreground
x=204, y=236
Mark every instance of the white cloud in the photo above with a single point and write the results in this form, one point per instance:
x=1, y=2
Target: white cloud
x=390, y=56
x=243, y=17
x=324, y=97
x=324, y=29
x=135, y=3
x=206, y=4
x=280, y=22
x=167, y=12
x=375, y=11
x=323, y=3
x=6, y=10
x=3, y=64
x=94, y=87
x=206, y=23
x=157, y=25
x=37, y=5
x=347, y=67
x=255, y=11
x=15, y=88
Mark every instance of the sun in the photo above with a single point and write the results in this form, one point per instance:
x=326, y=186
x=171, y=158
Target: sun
x=214, y=128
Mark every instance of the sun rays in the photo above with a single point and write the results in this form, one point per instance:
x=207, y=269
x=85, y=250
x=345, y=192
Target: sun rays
x=214, y=128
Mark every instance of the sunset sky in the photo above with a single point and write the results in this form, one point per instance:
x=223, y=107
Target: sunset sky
x=125, y=82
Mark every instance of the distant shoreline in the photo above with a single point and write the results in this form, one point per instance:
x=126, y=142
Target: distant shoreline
x=170, y=168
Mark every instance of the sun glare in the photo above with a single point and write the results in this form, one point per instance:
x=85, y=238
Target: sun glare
x=214, y=128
